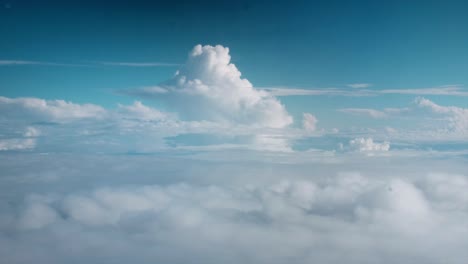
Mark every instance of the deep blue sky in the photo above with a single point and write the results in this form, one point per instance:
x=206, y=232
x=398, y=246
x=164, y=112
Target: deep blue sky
x=391, y=44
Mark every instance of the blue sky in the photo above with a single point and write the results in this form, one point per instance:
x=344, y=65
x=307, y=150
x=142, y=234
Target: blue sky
x=305, y=44
x=233, y=132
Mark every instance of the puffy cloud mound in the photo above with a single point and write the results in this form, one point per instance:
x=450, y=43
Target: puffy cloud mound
x=367, y=219
x=368, y=145
x=210, y=87
x=149, y=208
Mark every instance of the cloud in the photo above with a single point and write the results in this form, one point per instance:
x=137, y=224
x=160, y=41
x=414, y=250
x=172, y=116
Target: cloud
x=453, y=90
x=17, y=62
x=139, y=111
x=285, y=91
x=36, y=215
x=150, y=91
x=39, y=63
x=139, y=64
x=91, y=64
x=209, y=87
x=368, y=145
x=364, y=111
x=50, y=110
x=32, y=132
x=366, y=217
x=17, y=144
x=309, y=122
x=448, y=90
x=359, y=85
x=455, y=117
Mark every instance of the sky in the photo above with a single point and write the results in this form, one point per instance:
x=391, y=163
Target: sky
x=246, y=131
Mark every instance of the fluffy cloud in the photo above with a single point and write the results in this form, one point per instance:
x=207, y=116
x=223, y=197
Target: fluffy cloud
x=379, y=216
x=209, y=87
x=47, y=110
x=368, y=145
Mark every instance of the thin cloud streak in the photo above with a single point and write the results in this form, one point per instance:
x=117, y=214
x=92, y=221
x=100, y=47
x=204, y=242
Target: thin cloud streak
x=139, y=64
x=449, y=90
x=39, y=63
x=359, y=85
x=282, y=91
x=90, y=64
x=455, y=90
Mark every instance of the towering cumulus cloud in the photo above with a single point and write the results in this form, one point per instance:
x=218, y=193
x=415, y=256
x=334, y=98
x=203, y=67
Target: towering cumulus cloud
x=210, y=87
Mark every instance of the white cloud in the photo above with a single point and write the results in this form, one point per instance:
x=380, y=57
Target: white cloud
x=39, y=63
x=456, y=117
x=359, y=85
x=149, y=91
x=368, y=145
x=285, y=91
x=309, y=122
x=36, y=215
x=449, y=90
x=139, y=111
x=209, y=87
x=50, y=110
x=233, y=206
x=32, y=132
x=17, y=62
x=366, y=218
x=139, y=64
x=453, y=90
x=364, y=111
x=17, y=144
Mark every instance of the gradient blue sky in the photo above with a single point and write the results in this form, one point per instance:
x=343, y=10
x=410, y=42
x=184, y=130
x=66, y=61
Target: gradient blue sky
x=307, y=44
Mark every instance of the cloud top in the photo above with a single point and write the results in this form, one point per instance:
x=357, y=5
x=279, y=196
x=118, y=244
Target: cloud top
x=209, y=87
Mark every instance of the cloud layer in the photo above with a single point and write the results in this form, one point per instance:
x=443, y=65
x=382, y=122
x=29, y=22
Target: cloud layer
x=217, y=213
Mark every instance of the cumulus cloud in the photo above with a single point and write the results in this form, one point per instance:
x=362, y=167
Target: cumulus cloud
x=368, y=145
x=209, y=87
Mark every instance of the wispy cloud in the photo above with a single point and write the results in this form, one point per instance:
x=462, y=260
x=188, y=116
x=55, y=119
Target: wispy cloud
x=449, y=90
x=455, y=90
x=284, y=91
x=40, y=63
x=359, y=85
x=148, y=91
x=364, y=111
x=88, y=64
x=138, y=64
